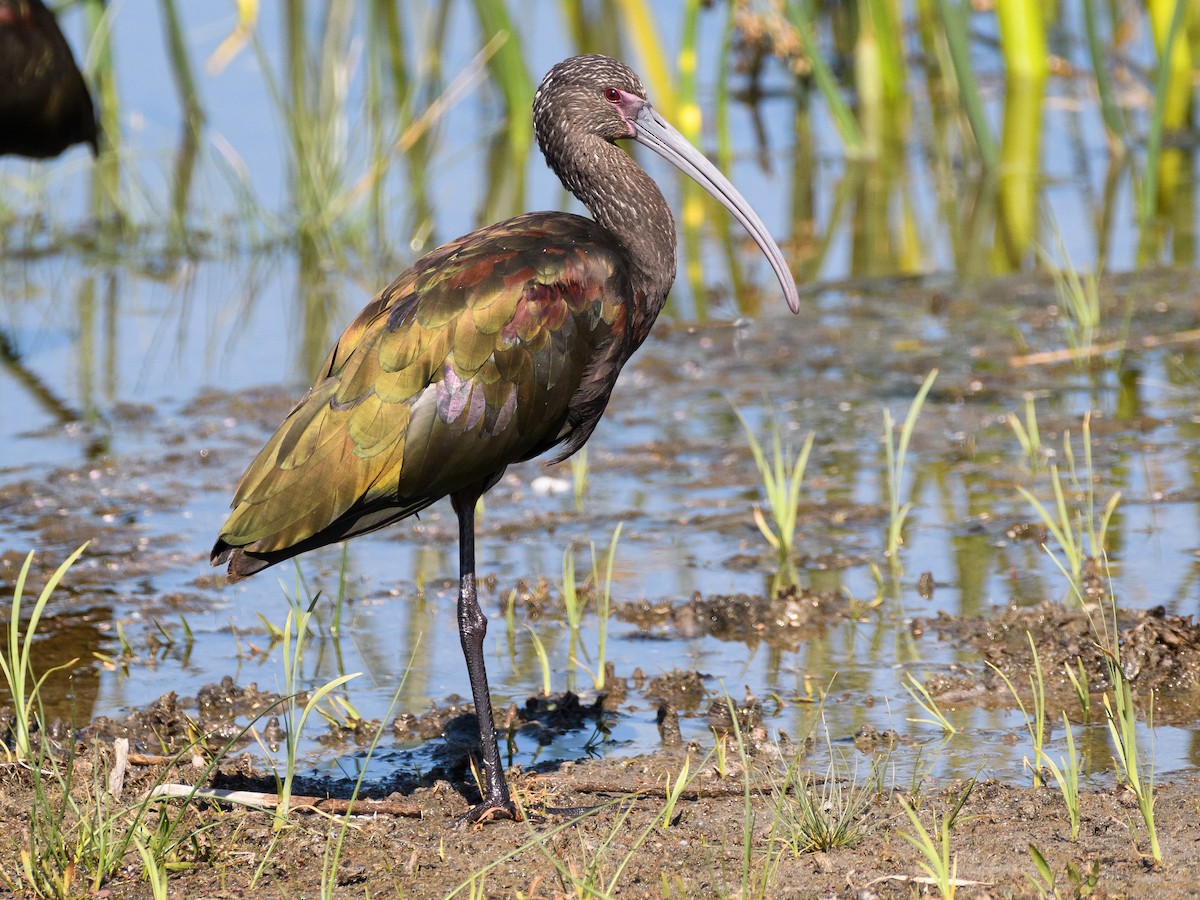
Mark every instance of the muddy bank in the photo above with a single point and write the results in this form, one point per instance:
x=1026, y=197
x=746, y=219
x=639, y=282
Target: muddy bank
x=1158, y=653
x=721, y=839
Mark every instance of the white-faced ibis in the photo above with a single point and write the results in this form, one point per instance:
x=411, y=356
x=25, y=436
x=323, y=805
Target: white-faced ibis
x=45, y=106
x=493, y=349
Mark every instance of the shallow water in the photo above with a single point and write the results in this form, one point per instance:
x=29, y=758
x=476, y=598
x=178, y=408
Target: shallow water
x=140, y=382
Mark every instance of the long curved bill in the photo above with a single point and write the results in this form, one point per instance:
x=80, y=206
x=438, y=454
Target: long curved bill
x=653, y=131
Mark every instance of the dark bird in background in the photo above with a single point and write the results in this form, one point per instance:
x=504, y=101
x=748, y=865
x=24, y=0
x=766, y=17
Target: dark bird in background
x=45, y=106
x=495, y=348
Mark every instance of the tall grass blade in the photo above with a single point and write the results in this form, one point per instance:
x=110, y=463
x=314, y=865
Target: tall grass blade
x=15, y=660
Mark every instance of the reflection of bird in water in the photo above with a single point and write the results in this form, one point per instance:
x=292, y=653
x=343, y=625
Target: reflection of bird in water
x=45, y=106
x=493, y=349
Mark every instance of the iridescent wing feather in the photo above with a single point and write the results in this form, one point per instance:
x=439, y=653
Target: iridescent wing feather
x=490, y=350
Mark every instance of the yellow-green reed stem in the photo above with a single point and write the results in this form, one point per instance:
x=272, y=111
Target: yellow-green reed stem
x=1122, y=728
x=1027, y=433
x=1060, y=525
x=721, y=91
x=106, y=196
x=1022, y=39
x=924, y=699
x=510, y=624
x=689, y=122
x=155, y=871
x=1172, y=92
x=954, y=25
x=1035, y=724
x=637, y=17
x=1079, y=681
x=295, y=639
x=604, y=602
x=1045, y=887
x=1019, y=175
x=675, y=791
x=1071, y=528
x=543, y=660
x=1065, y=773
x=897, y=455
x=14, y=661
x=333, y=849
x=747, y=301
x=181, y=66
x=886, y=25
x=574, y=609
x=379, y=53
x=189, y=98
x=940, y=865
x=579, y=477
x=782, y=476
x=799, y=12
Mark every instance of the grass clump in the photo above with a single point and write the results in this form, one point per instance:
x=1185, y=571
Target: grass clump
x=782, y=474
x=812, y=817
x=1080, y=532
x=295, y=640
x=575, y=603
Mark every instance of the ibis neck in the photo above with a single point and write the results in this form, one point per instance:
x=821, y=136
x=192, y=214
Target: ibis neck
x=624, y=199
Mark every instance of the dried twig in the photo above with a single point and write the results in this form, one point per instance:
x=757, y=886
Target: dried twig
x=332, y=805
x=1066, y=354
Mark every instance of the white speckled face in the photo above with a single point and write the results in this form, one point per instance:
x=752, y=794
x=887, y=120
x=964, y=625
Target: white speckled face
x=577, y=89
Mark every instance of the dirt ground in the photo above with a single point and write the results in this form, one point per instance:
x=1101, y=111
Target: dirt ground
x=717, y=843
x=731, y=833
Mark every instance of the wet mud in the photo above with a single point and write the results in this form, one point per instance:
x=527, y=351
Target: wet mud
x=1158, y=653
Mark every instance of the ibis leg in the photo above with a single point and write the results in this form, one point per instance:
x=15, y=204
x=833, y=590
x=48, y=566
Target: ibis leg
x=472, y=628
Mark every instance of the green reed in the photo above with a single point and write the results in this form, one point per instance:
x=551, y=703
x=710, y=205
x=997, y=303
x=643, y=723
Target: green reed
x=1080, y=530
x=296, y=633
x=940, y=864
x=1172, y=93
x=19, y=679
x=782, y=475
x=509, y=72
x=953, y=17
x=933, y=712
x=1023, y=38
x=1065, y=773
x=800, y=13
x=897, y=456
x=1035, y=722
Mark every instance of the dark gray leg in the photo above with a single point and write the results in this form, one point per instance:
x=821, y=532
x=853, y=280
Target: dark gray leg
x=472, y=628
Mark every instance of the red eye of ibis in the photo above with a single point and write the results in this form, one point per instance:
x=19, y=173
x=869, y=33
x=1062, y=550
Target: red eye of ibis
x=612, y=95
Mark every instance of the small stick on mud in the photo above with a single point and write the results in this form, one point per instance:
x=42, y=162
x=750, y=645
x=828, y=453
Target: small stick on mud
x=654, y=791
x=116, y=778
x=155, y=759
x=1148, y=342
x=335, y=806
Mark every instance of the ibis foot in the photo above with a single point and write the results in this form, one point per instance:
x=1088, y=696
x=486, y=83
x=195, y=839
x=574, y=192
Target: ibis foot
x=488, y=811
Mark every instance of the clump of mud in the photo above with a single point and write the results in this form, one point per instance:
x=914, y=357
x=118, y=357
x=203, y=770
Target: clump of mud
x=216, y=718
x=1157, y=653
x=785, y=620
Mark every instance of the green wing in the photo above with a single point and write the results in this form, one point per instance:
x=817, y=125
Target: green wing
x=465, y=364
